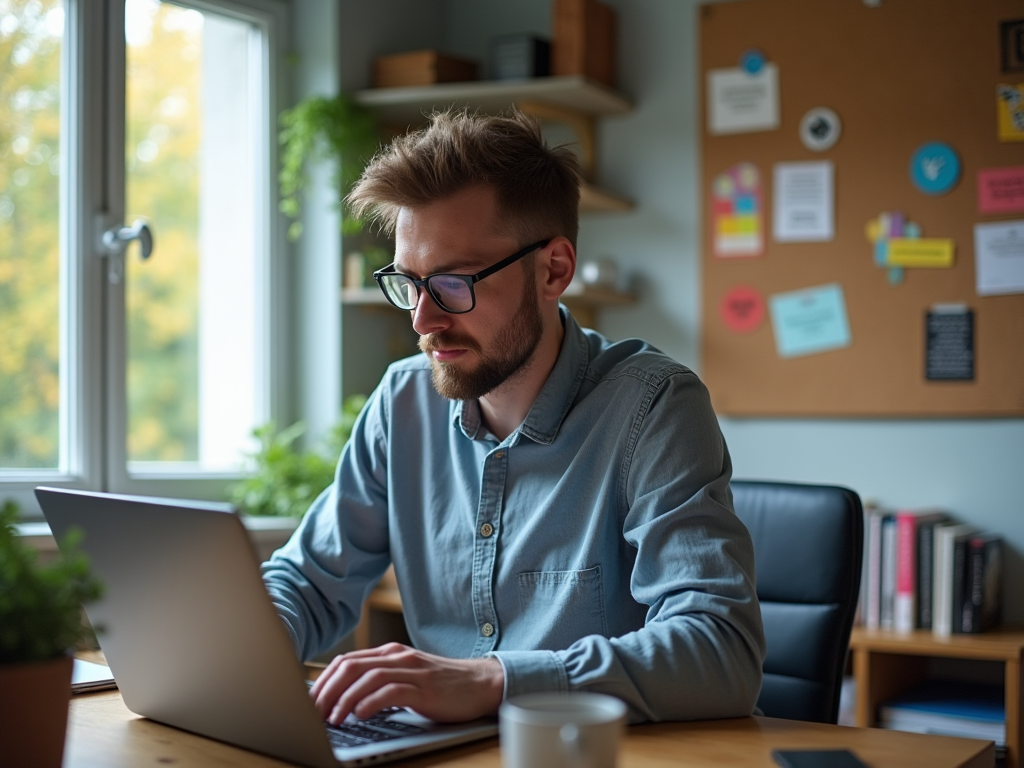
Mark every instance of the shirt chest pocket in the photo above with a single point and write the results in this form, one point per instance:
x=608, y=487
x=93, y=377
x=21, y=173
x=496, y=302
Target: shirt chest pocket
x=557, y=608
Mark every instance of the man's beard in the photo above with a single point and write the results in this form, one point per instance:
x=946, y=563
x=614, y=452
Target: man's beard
x=513, y=346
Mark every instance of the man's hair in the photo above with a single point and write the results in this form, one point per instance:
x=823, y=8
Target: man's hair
x=538, y=188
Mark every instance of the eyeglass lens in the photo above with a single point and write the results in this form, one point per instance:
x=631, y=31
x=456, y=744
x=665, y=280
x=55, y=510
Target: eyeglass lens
x=450, y=291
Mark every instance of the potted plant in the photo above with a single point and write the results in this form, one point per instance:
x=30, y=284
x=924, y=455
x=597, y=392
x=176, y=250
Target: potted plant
x=286, y=478
x=40, y=623
x=332, y=128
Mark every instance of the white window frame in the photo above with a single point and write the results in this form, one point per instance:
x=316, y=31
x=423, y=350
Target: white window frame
x=93, y=418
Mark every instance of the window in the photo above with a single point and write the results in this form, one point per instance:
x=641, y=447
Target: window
x=130, y=118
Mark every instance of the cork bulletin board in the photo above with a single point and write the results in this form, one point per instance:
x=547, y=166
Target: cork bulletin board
x=899, y=76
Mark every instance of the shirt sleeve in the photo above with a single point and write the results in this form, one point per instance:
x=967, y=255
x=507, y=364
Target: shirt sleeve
x=319, y=580
x=700, y=651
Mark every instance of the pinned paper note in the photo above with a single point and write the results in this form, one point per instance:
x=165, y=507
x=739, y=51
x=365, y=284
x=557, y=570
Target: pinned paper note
x=999, y=258
x=811, y=320
x=741, y=101
x=935, y=168
x=1010, y=105
x=736, y=212
x=904, y=252
x=949, y=343
x=803, y=202
x=742, y=309
x=1001, y=190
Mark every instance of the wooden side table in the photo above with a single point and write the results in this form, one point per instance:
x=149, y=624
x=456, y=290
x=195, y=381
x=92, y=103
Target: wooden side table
x=886, y=664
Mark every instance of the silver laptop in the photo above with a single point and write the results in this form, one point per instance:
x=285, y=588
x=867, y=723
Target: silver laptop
x=193, y=640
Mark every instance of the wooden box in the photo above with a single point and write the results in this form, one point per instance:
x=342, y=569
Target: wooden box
x=421, y=68
x=584, y=40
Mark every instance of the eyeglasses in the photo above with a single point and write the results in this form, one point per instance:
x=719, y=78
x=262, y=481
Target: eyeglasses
x=452, y=293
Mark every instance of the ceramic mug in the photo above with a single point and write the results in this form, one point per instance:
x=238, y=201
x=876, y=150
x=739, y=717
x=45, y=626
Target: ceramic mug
x=561, y=730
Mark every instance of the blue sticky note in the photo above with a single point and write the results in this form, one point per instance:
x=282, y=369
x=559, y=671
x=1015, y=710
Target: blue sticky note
x=809, y=321
x=745, y=204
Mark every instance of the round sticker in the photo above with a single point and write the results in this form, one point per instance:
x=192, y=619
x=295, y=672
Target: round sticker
x=935, y=168
x=820, y=129
x=752, y=61
x=742, y=309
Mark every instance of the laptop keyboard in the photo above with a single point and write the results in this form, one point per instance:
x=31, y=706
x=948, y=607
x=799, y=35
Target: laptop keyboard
x=373, y=730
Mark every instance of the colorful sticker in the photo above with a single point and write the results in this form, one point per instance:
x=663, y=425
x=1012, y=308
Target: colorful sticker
x=742, y=309
x=935, y=168
x=737, y=212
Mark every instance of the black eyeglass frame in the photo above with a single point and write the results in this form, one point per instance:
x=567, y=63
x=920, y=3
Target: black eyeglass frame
x=469, y=280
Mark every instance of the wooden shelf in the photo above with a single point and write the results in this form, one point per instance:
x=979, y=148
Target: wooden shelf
x=886, y=664
x=595, y=200
x=409, y=105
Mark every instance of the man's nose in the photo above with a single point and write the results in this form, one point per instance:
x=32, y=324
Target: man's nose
x=428, y=317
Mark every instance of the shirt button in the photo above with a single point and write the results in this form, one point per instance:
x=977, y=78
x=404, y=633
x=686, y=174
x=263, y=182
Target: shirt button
x=499, y=454
x=486, y=530
x=487, y=629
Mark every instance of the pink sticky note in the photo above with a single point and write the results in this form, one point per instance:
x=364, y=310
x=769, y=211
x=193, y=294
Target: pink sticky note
x=1001, y=190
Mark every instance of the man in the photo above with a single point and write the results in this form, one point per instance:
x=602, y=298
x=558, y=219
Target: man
x=556, y=506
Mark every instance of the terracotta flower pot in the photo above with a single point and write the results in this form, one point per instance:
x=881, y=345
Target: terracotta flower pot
x=34, y=712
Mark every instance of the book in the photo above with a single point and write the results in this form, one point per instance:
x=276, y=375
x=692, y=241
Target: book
x=88, y=676
x=888, y=577
x=942, y=576
x=873, y=569
x=959, y=585
x=968, y=710
x=982, y=603
x=926, y=566
x=905, y=601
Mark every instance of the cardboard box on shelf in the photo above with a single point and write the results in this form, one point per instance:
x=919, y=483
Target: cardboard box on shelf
x=584, y=40
x=421, y=68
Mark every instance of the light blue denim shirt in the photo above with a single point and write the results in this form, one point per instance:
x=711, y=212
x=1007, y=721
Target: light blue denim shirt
x=595, y=548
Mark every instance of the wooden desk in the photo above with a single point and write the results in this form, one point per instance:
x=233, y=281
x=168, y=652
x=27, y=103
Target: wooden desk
x=102, y=733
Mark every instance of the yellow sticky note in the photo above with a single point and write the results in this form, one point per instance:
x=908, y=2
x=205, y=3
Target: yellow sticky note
x=1010, y=103
x=934, y=252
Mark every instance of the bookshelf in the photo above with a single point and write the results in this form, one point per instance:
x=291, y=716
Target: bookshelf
x=886, y=664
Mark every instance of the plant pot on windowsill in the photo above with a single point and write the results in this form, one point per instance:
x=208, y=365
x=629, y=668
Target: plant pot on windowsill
x=40, y=621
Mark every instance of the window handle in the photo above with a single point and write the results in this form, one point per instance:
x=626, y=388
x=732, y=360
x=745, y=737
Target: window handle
x=115, y=240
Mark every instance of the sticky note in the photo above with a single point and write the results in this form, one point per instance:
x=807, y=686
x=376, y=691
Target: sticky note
x=810, y=320
x=1010, y=105
x=925, y=252
x=736, y=211
x=1001, y=190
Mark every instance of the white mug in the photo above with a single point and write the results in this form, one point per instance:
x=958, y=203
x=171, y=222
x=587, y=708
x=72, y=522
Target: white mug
x=561, y=730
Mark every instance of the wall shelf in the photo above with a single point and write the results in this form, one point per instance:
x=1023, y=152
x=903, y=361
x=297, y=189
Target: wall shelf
x=409, y=105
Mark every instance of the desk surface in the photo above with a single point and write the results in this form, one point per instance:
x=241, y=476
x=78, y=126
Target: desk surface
x=102, y=733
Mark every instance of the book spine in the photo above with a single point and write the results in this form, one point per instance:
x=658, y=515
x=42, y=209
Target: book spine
x=960, y=583
x=905, y=598
x=943, y=577
x=992, y=600
x=874, y=596
x=974, y=578
x=925, y=577
x=888, y=573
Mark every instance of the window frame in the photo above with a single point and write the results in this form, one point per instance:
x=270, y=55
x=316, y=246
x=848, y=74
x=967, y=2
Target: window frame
x=93, y=406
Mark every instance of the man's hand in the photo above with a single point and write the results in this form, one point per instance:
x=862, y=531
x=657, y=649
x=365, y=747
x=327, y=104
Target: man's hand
x=395, y=675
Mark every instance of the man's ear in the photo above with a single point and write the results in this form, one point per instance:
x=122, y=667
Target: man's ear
x=557, y=265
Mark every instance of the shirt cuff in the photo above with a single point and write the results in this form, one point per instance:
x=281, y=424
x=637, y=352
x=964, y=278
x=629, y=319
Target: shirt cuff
x=531, y=672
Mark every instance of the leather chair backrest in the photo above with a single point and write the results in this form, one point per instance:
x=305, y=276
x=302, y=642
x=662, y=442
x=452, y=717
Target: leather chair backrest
x=808, y=542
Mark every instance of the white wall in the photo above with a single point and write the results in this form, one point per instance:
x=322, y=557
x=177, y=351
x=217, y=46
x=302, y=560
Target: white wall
x=973, y=468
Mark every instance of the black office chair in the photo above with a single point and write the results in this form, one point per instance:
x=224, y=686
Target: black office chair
x=808, y=542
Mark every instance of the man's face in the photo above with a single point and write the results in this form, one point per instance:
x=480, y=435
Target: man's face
x=474, y=353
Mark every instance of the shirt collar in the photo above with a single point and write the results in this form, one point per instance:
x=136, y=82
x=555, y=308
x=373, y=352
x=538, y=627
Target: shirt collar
x=555, y=398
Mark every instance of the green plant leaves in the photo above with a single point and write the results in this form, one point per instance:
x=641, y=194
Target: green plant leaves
x=40, y=606
x=287, y=479
x=334, y=128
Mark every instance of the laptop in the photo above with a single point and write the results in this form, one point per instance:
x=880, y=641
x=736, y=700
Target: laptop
x=193, y=640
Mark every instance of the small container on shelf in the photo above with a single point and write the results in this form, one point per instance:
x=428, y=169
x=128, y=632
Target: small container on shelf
x=426, y=67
